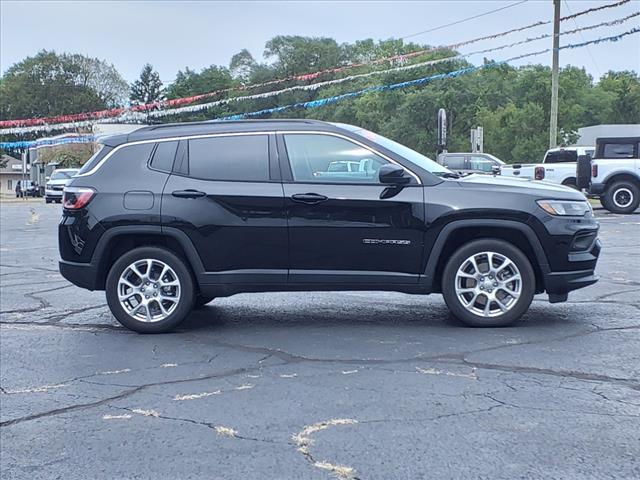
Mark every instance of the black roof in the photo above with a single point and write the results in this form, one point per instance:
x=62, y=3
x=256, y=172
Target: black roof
x=169, y=130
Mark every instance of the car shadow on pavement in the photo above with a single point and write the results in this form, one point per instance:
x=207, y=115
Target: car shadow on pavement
x=214, y=317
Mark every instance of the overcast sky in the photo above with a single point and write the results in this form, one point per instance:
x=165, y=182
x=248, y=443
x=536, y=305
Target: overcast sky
x=172, y=35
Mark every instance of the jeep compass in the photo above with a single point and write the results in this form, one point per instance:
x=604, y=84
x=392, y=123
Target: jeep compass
x=168, y=217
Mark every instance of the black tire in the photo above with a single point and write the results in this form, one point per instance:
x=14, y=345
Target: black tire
x=186, y=297
x=47, y=200
x=622, y=196
x=201, y=300
x=571, y=182
x=477, y=247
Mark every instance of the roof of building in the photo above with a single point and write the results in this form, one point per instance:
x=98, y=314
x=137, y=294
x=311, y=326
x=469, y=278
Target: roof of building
x=10, y=161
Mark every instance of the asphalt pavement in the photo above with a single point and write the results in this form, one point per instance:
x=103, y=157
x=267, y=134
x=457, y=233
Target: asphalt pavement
x=355, y=385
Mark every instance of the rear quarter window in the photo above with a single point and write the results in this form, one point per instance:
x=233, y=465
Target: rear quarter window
x=618, y=150
x=102, y=151
x=164, y=155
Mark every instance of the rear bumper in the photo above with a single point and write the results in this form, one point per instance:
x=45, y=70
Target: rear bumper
x=596, y=188
x=81, y=274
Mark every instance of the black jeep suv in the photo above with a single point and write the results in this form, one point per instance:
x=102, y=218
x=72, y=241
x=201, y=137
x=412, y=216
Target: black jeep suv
x=168, y=217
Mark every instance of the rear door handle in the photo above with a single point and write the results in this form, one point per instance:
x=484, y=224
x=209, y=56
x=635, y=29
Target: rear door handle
x=188, y=193
x=310, y=198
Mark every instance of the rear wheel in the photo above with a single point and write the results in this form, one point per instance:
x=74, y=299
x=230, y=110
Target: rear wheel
x=571, y=182
x=622, y=197
x=149, y=290
x=488, y=283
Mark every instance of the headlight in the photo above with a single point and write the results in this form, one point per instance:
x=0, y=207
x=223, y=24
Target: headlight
x=565, y=208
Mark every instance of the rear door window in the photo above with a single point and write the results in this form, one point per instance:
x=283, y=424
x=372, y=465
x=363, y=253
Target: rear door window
x=230, y=158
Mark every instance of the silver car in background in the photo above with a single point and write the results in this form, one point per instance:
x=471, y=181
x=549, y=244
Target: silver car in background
x=55, y=184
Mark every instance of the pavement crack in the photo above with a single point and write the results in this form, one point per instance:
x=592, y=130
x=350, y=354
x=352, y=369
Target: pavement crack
x=128, y=392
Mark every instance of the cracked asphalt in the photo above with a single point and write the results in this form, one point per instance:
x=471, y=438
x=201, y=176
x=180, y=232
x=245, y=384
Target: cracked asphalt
x=356, y=385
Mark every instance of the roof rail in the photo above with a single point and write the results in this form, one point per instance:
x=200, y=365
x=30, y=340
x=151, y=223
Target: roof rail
x=226, y=122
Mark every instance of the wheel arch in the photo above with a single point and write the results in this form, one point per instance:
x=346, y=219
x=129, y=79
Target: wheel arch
x=118, y=240
x=459, y=232
x=621, y=176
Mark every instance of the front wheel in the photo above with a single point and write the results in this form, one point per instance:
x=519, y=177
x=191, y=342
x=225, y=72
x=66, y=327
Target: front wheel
x=488, y=283
x=622, y=197
x=149, y=290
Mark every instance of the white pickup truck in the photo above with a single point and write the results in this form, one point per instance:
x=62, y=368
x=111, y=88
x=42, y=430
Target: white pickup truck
x=558, y=166
x=615, y=174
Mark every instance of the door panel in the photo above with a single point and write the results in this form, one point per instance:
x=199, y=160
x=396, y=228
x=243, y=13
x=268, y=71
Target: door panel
x=224, y=197
x=354, y=235
x=239, y=229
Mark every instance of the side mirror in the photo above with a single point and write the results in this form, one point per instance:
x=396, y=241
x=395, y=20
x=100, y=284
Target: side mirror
x=496, y=170
x=392, y=174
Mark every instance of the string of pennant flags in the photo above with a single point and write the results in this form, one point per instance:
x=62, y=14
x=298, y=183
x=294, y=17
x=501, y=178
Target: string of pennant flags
x=337, y=98
x=137, y=112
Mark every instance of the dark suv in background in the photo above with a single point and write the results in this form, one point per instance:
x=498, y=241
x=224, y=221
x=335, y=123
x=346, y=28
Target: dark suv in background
x=168, y=217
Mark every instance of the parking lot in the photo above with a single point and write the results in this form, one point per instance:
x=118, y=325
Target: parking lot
x=364, y=385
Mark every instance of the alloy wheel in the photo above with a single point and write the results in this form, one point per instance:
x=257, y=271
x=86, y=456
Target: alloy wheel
x=149, y=290
x=488, y=284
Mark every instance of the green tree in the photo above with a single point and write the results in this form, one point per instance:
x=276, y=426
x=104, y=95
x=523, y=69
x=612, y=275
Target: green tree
x=625, y=87
x=148, y=88
x=294, y=55
x=190, y=83
x=242, y=66
x=49, y=84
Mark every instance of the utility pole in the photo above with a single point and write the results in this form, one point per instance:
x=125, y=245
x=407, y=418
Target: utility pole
x=553, y=126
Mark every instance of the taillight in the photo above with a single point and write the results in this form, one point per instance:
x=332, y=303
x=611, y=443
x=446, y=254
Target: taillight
x=594, y=170
x=75, y=198
x=539, y=173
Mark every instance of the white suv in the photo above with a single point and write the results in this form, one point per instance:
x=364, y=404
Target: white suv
x=615, y=173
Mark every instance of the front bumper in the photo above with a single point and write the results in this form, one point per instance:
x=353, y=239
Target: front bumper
x=558, y=283
x=57, y=194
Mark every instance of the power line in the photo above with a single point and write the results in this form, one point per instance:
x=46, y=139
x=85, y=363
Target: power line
x=593, y=60
x=87, y=116
x=457, y=22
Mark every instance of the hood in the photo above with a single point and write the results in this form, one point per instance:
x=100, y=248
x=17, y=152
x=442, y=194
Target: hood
x=58, y=181
x=538, y=188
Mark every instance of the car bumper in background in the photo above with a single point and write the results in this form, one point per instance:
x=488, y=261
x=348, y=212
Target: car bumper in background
x=596, y=188
x=53, y=193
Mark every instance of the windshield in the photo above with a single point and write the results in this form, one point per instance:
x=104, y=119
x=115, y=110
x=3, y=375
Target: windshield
x=405, y=152
x=63, y=175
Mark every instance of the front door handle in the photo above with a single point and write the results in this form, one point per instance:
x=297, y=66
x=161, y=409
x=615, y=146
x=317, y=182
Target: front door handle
x=310, y=198
x=188, y=193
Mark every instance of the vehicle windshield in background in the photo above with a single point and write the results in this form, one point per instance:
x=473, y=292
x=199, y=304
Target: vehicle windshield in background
x=63, y=175
x=411, y=155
